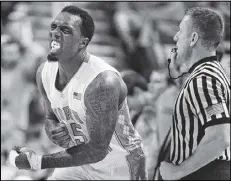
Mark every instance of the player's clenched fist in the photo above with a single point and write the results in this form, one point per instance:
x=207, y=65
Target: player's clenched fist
x=60, y=135
x=25, y=158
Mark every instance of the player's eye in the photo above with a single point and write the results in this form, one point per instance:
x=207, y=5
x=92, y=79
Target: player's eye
x=65, y=30
x=53, y=26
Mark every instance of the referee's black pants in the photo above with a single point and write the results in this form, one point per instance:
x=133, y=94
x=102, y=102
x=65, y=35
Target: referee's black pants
x=215, y=170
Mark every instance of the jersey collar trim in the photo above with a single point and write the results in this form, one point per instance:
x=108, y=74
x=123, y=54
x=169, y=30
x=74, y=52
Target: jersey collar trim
x=203, y=60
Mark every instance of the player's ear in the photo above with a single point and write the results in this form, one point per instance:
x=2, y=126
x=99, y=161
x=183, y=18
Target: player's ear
x=84, y=42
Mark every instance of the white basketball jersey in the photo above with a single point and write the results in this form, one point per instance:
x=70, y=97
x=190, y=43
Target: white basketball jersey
x=68, y=106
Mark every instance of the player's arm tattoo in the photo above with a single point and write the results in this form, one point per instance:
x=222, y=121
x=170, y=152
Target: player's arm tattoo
x=51, y=120
x=101, y=100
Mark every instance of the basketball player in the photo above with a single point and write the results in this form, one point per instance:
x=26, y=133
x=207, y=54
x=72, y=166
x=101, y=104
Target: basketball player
x=86, y=110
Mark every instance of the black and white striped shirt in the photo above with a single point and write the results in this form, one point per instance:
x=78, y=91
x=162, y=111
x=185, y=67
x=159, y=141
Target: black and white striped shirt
x=203, y=101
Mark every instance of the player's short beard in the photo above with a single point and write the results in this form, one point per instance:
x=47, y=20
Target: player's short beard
x=52, y=58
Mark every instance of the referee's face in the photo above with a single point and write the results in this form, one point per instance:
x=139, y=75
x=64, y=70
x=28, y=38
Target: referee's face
x=182, y=39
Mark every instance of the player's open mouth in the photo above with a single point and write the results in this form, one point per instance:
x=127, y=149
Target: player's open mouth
x=54, y=46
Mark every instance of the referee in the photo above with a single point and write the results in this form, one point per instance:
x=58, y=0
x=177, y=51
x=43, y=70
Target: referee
x=200, y=131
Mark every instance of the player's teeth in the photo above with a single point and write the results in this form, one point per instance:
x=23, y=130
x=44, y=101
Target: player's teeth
x=55, y=45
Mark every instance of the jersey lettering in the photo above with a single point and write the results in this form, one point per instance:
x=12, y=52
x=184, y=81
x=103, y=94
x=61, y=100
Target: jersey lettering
x=77, y=116
x=73, y=122
x=67, y=112
x=59, y=114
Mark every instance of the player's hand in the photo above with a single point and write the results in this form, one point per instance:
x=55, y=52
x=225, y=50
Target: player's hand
x=25, y=158
x=60, y=135
x=169, y=171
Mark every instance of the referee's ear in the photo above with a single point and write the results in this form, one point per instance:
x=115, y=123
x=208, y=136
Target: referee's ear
x=194, y=39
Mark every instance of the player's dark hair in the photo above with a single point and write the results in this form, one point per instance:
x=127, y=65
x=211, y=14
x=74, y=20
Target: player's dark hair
x=208, y=23
x=88, y=26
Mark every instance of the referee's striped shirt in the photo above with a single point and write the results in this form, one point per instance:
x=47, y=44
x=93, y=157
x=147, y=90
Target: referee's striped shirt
x=203, y=101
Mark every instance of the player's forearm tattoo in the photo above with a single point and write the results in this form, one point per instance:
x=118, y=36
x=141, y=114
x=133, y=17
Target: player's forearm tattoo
x=101, y=101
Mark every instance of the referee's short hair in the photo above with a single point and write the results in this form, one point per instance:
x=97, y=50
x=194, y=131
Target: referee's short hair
x=209, y=24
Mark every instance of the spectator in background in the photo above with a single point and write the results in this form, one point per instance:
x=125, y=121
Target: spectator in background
x=12, y=93
x=6, y=9
x=137, y=97
x=136, y=33
x=19, y=26
x=132, y=80
x=165, y=15
x=18, y=86
x=143, y=29
x=19, y=29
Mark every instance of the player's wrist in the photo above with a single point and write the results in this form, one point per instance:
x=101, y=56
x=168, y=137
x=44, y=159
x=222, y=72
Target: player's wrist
x=12, y=157
x=36, y=162
x=25, y=160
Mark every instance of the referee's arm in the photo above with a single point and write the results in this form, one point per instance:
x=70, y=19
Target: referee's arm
x=209, y=102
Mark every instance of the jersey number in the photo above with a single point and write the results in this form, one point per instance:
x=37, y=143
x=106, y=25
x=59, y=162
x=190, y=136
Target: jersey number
x=78, y=135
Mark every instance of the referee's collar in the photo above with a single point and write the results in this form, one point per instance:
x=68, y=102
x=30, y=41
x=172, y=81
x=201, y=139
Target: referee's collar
x=203, y=60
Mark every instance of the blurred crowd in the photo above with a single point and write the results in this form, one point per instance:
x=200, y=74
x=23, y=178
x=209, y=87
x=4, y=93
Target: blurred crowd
x=145, y=31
